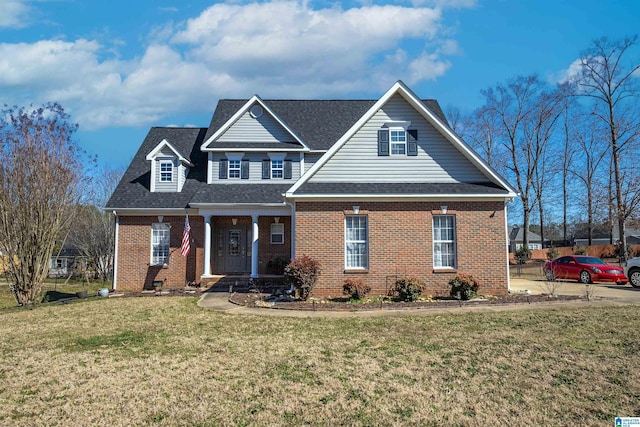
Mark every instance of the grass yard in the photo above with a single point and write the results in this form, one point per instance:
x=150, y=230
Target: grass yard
x=57, y=290
x=165, y=361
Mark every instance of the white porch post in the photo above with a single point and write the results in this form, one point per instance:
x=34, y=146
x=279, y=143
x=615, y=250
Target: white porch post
x=254, y=246
x=207, y=245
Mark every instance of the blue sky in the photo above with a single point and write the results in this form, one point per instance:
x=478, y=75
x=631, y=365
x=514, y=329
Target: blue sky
x=121, y=67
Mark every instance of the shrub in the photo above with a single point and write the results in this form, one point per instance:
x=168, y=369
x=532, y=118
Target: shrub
x=355, y=288
x=408, y=289
x=276, y=265
x=464, y=284
x=580, y=250
x=552, y=253
x=618, y=250
x=523, y=254
x=302, y=273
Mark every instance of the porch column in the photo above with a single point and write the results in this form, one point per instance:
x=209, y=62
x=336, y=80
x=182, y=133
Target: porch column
x=254, y=246
x=207, y=245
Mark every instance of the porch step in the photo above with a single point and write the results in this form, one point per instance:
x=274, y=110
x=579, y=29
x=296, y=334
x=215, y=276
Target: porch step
x=240, y=283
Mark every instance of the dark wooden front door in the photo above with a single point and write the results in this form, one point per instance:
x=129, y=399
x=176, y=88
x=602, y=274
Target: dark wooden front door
x=233, y=249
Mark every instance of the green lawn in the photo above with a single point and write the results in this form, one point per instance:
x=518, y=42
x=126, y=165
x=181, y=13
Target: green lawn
x=165, y=361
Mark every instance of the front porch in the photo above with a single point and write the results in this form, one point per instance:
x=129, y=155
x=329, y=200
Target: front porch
x=247, y=243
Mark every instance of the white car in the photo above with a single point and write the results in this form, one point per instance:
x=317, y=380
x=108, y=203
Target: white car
x=632, y=271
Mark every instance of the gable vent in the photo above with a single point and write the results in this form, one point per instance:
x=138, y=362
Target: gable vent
x=256, y=111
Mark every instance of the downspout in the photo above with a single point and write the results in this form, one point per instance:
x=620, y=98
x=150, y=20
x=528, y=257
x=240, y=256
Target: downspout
x=115, y=251
x=293, y=226
x=506, y=235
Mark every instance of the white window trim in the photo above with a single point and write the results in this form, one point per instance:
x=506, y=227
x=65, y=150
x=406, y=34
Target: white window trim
x=159, y=226
x=170, y=163
x=397, y=143
x=277, y=225
x=273, y=169
x=274, y=157
x=234, y=157
x=433, y=247
x=366, y=243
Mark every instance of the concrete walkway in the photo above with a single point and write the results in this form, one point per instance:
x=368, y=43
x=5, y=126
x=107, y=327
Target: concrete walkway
x=603, y=295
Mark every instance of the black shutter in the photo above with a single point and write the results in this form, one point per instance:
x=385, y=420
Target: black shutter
x=223, y=169
x=412, y=142
x=266, y=169
x=244, y=169
x=383, y=142
x=287, y=169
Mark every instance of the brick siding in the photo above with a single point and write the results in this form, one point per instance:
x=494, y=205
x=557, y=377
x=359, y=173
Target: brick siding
x=134, y=250
x=401, y=245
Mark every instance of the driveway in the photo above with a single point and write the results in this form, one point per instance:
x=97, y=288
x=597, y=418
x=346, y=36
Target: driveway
x=621, y=293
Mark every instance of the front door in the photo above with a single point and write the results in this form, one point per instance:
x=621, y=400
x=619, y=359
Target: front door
x=233, y=253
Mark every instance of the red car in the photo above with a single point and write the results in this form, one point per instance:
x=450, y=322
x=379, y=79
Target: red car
x=584, y=269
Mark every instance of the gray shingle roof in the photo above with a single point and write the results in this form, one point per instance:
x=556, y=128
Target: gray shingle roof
x=383, y=189
x=241, y=193
x=133, y=191
x=320, y=123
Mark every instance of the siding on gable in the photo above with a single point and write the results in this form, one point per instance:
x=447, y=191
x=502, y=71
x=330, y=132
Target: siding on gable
x=255, y=168
x=263, y=129
x=167, y=186
x=437, y=160
x=310, y=159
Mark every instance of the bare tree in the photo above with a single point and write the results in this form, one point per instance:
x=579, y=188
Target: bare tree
x=483, y=132
x=607, y=78
x=593, y=154
x=537, y=133
x=40, y=170
x=92, y=233
x=526, y=113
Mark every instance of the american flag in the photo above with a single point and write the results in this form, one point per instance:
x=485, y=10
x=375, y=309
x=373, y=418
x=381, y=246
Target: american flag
x=186, y=246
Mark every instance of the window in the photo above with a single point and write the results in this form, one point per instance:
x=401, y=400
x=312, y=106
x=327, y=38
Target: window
x=444, y=245
x=356, y=236
x=398, y=138
x=277, y=234
x=159, y=243
x=277, y=169
x=234, y=168
x=166, y=171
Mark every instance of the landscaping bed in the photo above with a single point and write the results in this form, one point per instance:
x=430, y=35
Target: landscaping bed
x=388, y=303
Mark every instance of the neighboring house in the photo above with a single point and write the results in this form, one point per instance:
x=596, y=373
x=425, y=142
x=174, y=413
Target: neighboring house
x=65, y=262
x=516, y=239
x=632, y=237
x=372, y=189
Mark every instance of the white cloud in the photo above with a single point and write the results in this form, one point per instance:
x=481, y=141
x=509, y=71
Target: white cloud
x=567, y=75
x=277, y=49
x=14, y=13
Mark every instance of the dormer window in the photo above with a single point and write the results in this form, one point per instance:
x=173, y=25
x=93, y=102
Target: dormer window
x=398, y=138
x=166, y=171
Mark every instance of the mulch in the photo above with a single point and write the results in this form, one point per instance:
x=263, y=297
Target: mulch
x=342, y=304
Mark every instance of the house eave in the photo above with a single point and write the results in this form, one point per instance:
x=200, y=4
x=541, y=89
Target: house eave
x=257, y=150
x=400, y=197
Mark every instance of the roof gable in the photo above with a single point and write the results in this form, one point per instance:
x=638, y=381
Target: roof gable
x=157, y=151
x=438, y=123
x=266, y=128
